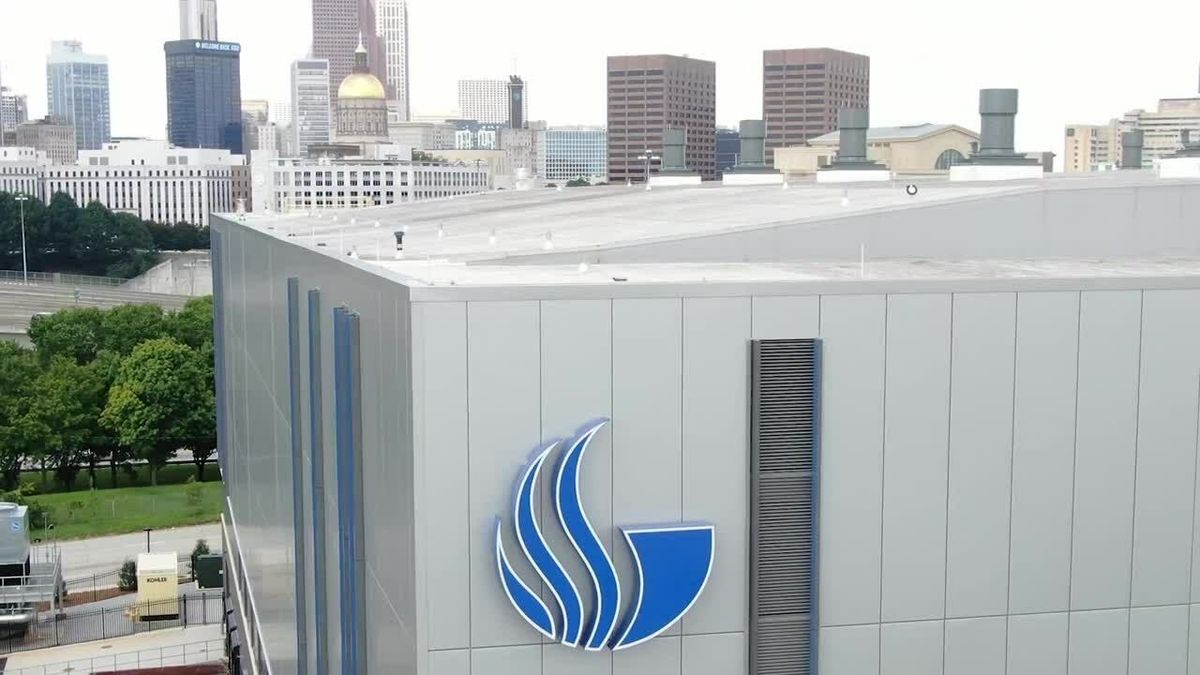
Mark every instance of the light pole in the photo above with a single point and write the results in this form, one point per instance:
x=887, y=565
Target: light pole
x=21, y=199
x=648, y=157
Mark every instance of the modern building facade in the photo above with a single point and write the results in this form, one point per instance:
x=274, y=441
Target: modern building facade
x=494, y=101
x=803, y=89
x=312, y=117
x=568, y=153
x=291, y=185
x=647, y=94
x=424, y=136
x=972, y=454
x=340, y=25
x=1092, y=147
x=150, y=179
x=522, y=147
x=391, y=20
x=204, y=94
x=913, y=150
x=21, y=169
x=52, y=136
x=198, y=20
x=77, y=91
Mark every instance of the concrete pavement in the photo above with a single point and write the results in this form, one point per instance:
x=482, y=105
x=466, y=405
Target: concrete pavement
x=103, y=555
x=171, y=646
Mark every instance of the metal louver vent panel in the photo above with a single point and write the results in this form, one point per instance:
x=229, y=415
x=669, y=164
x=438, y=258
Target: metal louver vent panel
x=785, y=386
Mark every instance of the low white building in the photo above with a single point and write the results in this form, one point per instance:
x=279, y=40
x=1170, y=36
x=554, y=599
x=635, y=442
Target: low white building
x=151, y=179
x=293, y=184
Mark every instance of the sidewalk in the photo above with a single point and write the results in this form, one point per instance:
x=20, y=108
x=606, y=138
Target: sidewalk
x=163, y=647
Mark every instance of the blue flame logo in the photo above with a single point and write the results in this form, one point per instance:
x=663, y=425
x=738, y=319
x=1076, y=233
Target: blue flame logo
x=672, y=563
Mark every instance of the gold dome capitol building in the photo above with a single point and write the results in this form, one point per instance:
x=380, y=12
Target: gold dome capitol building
x=361, y=105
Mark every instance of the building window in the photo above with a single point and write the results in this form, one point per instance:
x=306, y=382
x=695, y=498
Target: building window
x=949, y=158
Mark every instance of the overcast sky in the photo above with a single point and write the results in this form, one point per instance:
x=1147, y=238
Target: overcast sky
x=1070, y=58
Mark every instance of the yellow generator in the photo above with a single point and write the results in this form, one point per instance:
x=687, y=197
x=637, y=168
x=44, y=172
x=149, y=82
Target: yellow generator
x=158, y=587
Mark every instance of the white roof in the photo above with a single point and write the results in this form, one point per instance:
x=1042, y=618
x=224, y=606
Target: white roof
x=157, y=562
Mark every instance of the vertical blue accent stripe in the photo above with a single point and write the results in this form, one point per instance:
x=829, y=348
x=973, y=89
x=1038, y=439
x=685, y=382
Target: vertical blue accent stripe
x=219, y=381
x=349, y=478
x=814, y=618
x=316, y=412
x=294, y=423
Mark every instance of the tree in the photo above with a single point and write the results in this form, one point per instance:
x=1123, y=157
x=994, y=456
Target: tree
x=579, y=182
x=19, y=435
x=159, y=400
x=125, y=327
x=68, y=399
x=192, y=325
x=70, y=333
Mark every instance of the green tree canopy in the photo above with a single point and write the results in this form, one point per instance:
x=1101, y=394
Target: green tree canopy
x=67, y=401
x=19, y=435
x=125, y=327
x=192, y=325
x=160, y=401
x=70, y=333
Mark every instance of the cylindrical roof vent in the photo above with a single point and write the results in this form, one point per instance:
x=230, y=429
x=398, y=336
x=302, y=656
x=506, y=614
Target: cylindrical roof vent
x=1131, y=149
x=852, y=134
x=998, y=112
x=753, y=134
x=674, y=148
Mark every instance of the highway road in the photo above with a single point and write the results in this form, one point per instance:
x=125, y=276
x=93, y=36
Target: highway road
x=21, y=302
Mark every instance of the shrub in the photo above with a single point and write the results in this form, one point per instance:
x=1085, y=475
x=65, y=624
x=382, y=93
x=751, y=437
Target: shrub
x=127, y=577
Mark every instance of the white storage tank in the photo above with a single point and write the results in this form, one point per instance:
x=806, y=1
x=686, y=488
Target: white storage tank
x=14, y=533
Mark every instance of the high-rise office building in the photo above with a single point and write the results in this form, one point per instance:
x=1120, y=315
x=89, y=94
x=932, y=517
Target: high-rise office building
x=490, y=101
x=1092, y=147
x=729, y=146
x=650, y=93
x=391, y=22
x=255, y=114
x=77, y=91
x=803, y=89
x=14, y=110
x=311, y=111
x=204, y=94
x=518, y=110
x=198, y=20
x=338, y=27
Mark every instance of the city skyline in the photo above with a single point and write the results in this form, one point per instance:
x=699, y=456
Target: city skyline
x=920, y=76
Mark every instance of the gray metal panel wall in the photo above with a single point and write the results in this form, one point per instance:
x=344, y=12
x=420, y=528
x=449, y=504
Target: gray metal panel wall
x=259, y=486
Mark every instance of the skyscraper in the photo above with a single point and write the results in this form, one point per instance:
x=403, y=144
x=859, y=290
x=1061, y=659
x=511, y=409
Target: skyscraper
x=518, y=109
x=198, y=20
x=391, y=22
x=338, y=27
x=77, y=91
x=803, y=90
x=14, y=110
x=310, y=103
x=648, y=94
x=204, y=94
x=256, y=113
x=488, y=101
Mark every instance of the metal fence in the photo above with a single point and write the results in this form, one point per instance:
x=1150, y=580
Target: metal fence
x=192, y=653
x=17, y=277
x=74, y=625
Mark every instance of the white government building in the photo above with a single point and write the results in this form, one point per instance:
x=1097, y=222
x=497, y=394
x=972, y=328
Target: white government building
x=149, y=178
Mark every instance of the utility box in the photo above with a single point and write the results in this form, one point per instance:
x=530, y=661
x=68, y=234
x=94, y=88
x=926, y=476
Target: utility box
x=14, y=534
x=158, y=586
x=210, y=570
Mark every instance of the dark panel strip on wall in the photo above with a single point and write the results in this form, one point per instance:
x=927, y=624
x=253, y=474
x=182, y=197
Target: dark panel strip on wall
x=316, y=414
x=219, y=379
x=784, y=469
x=295, y=422
x=348, y=420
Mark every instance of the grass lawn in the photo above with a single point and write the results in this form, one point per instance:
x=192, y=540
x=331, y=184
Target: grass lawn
x=88, y=513
x=139, y=475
